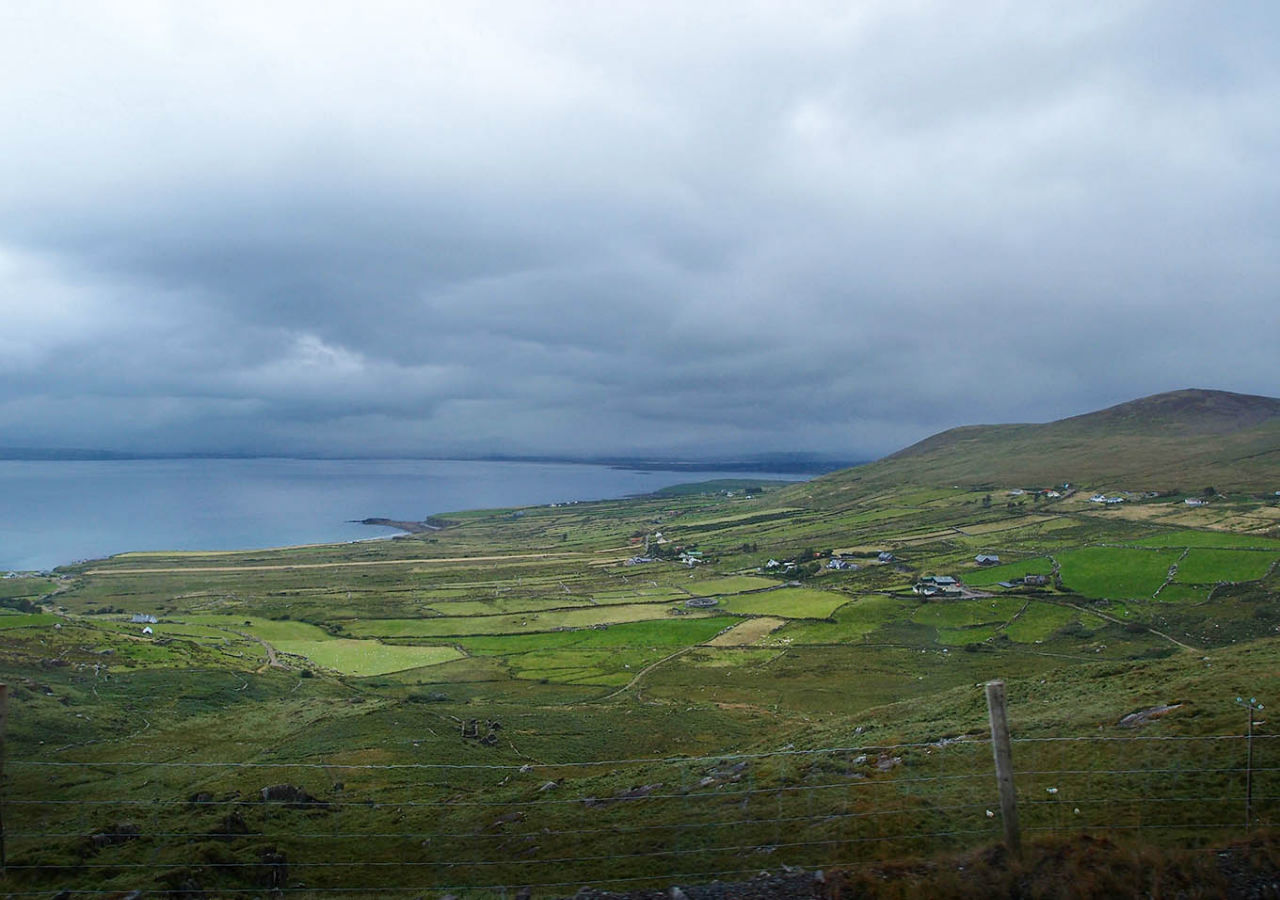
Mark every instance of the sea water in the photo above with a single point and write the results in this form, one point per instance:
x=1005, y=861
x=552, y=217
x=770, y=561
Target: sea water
x=58, y=512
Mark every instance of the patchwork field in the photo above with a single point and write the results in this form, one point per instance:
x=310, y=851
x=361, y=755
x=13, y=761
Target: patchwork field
x=505, y=643
x=1109, y=572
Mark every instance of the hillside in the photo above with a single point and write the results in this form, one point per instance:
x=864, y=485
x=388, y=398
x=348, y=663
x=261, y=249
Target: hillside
x=1187, y=438
x=695, y=685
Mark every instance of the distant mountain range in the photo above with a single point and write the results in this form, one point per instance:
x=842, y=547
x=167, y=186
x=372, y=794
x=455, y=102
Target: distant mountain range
x=1188, y=439
x=781, y=463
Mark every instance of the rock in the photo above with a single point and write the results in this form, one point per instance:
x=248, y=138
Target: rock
x=201, y=797
x=549, y=786
x=636, y=793
x=677, y=894
x=526, y=769
x=232, y=824
x=116, y=834
x=506, y=819
x=289, y=794
x=1141, y=717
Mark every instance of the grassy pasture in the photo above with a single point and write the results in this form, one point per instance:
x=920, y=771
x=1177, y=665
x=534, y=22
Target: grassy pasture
x=1219, y=539
x=577, y=617
x=853, y=622
x=1040, y=620
x=1115, y=572
x=1202, y=566
x=1038, y=565
x=744, y=634
x=963, y=613
x=665, y=633
x=980, y=528
x=732, y=584
x=27, y=620
x=970, y=634
x=270, y=630
x=788, y=603
x=500, y=605
x=11, y=588
x=361, y=658
x=639, y=594
x=1183, y=593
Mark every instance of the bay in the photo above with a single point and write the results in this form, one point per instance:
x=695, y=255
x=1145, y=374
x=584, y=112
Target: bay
x=57, y=512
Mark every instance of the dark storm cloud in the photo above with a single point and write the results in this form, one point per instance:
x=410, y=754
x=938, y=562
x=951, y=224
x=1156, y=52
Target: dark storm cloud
x=587, y=228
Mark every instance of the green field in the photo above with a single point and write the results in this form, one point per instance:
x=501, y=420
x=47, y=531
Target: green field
x=527, y=630
x=788, y=603
x=27, y=620
x=1115, y=572
x=1210, y=566
x=676, y=632
x=1221, y=539
x=853, y=622
x=577, y=617
x=957, y=613
x=1039, y=621
x=360, y=658
x=729, y=585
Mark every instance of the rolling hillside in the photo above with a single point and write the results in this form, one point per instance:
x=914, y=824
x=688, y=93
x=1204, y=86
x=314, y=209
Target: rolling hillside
x=1188, y=439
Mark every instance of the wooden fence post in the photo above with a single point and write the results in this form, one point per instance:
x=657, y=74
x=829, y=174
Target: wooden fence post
x=4, y=724
x=1003, y=754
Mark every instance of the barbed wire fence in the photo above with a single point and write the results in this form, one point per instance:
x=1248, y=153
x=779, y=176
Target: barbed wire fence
x=178, y=827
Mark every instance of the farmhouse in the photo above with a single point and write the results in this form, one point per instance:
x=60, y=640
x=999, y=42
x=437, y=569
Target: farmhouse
x=842, y=564
x=1195, y=501
x=931, y=585
x=143, y=619
x=987, y=559
x=885, y=556
x=940, y=580
x=1035, y=580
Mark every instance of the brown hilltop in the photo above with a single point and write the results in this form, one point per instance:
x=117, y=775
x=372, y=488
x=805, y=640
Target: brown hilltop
x=1188, y=438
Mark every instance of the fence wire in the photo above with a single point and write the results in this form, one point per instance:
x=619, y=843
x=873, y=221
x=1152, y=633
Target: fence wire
x=100, y=826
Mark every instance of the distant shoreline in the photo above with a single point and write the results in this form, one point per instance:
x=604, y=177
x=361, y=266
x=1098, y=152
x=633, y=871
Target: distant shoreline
x=782, y=463
x=407, y=527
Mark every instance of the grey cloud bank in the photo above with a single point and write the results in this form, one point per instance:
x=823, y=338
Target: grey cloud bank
x=685, y=229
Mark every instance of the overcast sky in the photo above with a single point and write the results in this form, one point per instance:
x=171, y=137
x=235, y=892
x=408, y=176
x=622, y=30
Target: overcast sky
x=610, y=227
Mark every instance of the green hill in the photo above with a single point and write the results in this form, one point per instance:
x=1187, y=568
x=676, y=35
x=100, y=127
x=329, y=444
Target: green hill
x=1188, y=438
